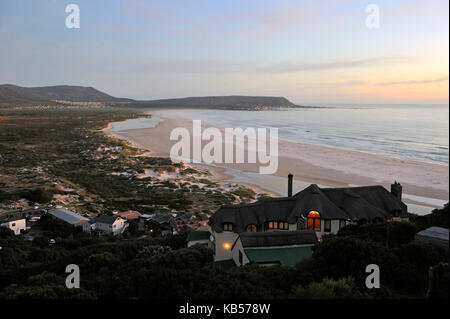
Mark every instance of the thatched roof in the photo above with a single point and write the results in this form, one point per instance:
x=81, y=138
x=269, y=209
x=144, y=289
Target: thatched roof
x=352, y=203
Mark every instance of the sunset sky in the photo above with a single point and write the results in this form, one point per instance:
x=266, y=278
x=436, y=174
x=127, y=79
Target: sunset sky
x=312, y=52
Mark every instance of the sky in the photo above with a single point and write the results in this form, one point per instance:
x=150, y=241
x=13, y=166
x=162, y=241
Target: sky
x=311, y=52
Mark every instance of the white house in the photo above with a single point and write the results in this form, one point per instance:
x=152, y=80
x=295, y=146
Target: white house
x=106, y=224
x=16, y=225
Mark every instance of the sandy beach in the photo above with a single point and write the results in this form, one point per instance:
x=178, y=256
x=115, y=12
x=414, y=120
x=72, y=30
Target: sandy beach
x=319, y=164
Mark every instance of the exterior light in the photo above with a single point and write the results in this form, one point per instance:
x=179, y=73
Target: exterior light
x=227, y=246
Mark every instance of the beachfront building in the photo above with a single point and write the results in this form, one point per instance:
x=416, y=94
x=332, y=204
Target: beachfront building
x=69, y=217
x=16, y=225
x=321, y=210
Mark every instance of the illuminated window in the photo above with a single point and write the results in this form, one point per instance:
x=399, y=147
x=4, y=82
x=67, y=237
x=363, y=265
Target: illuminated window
x=313, y=221
x=277, y=225
x=227, y=226
x=227, y=246
x=252, y=228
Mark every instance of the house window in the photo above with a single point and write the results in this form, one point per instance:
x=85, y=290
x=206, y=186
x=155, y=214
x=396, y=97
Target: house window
x=240, y=257
x=277, y=225
x=227, y=226
x=313, y=221
x=341, y=224
x=327, y=225
x=252, y=228
x=13, y=225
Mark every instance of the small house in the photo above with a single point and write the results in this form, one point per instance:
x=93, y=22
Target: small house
x=108, y=224
x=16, y=225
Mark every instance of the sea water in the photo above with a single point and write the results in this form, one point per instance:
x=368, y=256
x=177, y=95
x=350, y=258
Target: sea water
x=417, y=132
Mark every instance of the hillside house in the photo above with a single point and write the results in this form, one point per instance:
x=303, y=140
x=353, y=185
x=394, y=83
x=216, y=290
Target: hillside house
x=16, y=225
x=165, y=223
x=106, y=224
x=321, y=210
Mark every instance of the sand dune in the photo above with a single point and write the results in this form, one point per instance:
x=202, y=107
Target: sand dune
x=314, y=163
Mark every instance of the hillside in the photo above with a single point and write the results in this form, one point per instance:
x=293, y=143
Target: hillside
x=11, y=95
x=17, y=94
x=220, y=102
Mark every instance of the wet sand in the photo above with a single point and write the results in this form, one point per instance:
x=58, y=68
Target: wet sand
x=318, y=164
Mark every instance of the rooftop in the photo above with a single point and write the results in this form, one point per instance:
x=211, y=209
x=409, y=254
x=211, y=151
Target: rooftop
x=68, y=216
x=286, y=256
x=278, y=238
x=130, y=215
x=105, y=219
x=352, y=203
x=199, y=234
x=435, y=232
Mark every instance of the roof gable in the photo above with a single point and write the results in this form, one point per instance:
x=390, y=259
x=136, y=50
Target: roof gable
x=352, y=203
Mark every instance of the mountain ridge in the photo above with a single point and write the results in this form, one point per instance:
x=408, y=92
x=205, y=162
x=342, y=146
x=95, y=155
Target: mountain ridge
x=16, y=95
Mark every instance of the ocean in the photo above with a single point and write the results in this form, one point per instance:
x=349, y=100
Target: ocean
x=415, y=132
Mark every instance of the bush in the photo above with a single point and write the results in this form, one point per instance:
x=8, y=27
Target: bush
x=344, y=288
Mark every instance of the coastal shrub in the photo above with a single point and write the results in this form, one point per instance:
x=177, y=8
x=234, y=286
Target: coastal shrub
x=440, y=281
x=411, y=274
x=390, y=234
x=344, y=288
x=439, y=217
x=39, y=195
x=5, y=232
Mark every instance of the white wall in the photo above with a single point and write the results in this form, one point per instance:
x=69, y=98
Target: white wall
x=219, y=240
x=16, y=226
x=235, y=253
x=114, y=229
x=118, y=225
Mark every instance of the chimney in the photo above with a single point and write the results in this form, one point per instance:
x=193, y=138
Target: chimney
x=396, y=190
x=290, y=177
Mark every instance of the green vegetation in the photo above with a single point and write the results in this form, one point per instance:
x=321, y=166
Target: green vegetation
x=160, y=267
x=65, y=153
x=61, y=154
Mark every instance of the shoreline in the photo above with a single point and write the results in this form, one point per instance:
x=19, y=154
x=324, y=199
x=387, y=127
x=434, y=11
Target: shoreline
x=319, y=164
x=217, y=174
